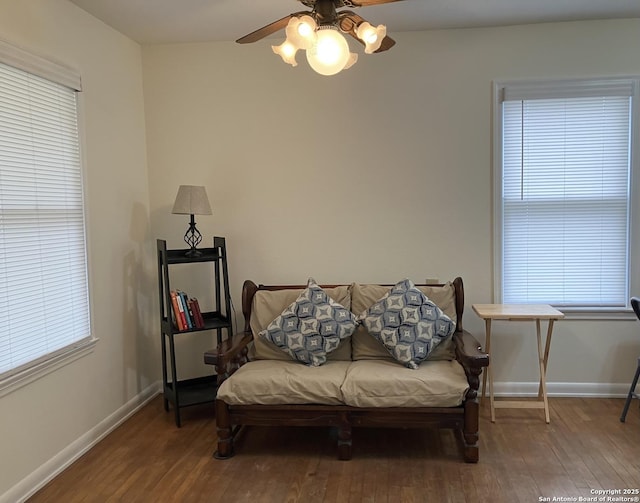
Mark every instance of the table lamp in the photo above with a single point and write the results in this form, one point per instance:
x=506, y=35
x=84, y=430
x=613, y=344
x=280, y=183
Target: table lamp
x=192, y=200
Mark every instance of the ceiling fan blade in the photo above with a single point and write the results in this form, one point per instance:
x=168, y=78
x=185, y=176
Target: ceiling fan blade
x=349, y=22
x=267, y=30
x=387, y=43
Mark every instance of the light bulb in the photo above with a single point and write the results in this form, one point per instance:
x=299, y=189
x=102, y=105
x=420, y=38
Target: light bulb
x=287, y=52
x=305, y=29
x=371, y=36
x=330, y=54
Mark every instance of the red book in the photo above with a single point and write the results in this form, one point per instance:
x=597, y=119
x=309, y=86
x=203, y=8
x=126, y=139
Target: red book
x=194, y=315
x=198, y=312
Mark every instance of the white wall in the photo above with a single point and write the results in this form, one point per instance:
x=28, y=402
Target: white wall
x=379, y=173
x=41, y=419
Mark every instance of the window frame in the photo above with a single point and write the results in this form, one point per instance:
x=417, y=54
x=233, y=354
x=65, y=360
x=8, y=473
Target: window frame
x=633, y=284
x=55, y=72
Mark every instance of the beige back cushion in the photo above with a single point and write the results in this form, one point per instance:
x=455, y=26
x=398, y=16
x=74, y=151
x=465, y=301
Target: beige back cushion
x=269, y=304
x=365, y=347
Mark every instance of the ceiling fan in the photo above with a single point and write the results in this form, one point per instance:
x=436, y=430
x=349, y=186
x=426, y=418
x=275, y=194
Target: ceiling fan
x=319, y=33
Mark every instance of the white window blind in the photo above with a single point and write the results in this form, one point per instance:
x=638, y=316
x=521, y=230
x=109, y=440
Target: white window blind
x=565, y=198
x=44, y=306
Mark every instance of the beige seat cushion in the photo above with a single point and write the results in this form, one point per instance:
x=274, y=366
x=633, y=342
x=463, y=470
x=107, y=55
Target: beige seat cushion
x=267, y=305
x=266, y=382
x=380, y=383
x=365, y=347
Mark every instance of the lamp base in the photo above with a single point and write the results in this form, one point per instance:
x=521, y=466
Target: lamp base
x=193, y=252
x=192, y=237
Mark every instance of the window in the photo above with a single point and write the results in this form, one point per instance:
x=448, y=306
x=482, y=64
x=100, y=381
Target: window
x=563, y=192
x=44, y=305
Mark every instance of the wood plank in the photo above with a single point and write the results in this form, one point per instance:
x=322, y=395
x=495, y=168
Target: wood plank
x=517, y=404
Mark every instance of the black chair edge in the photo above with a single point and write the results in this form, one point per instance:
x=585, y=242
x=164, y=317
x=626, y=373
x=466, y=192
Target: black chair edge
x=635, y=304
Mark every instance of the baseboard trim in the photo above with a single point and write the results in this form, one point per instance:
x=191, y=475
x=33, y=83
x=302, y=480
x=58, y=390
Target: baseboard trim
x=32, y=483
x=563, y=389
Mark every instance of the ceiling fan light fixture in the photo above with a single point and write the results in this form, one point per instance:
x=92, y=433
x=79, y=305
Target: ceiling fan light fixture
x=371, y=36
x=320, y=31
x=330, y=54
x=287, y=51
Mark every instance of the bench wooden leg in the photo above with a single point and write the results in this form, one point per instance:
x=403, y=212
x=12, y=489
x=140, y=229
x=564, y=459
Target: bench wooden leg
x=470, y=431
x=225, y=436
x=344, y=440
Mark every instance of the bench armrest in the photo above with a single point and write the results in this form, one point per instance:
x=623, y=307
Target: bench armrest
x=472, y=359
x=468, y=351
x=229, y=350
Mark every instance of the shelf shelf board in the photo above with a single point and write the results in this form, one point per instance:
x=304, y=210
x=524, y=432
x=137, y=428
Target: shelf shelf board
x=194, y=391
x=212, y=320
x=180, y=256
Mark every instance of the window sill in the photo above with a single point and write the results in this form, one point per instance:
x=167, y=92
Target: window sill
x=16, y=381
x=590, y=314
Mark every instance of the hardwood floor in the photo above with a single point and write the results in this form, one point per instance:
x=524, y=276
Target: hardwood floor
x=522, y=459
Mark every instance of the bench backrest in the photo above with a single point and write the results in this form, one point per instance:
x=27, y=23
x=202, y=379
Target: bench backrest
x=261, y=304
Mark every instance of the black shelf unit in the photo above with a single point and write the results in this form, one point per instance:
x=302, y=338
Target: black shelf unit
x=199, y=390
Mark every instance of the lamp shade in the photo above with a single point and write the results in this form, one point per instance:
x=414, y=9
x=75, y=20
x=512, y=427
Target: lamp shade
x=287, y=51
x=371, y=36
x=301, y=31
x=191, y=200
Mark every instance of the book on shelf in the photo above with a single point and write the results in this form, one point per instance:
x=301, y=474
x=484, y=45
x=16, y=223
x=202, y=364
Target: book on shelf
x=176, y=310
x=197, y=314
x=181, y=319
x=186, y=311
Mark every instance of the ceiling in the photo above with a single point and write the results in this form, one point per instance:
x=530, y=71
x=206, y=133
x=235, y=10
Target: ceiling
x=178, y=21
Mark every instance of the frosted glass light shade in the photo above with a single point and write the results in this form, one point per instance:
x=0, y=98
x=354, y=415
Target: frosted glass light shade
x=330, y=53
x=301, y=31
x=353, y=58
x=371, y=36
x=191, y=200
x=287, y=51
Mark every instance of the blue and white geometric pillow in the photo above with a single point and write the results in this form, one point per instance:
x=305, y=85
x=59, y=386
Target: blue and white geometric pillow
x=407, y=323
x=311, y=327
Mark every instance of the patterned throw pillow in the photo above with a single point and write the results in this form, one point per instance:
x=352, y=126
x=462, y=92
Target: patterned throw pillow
x=407, y=323
x=311, y=327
